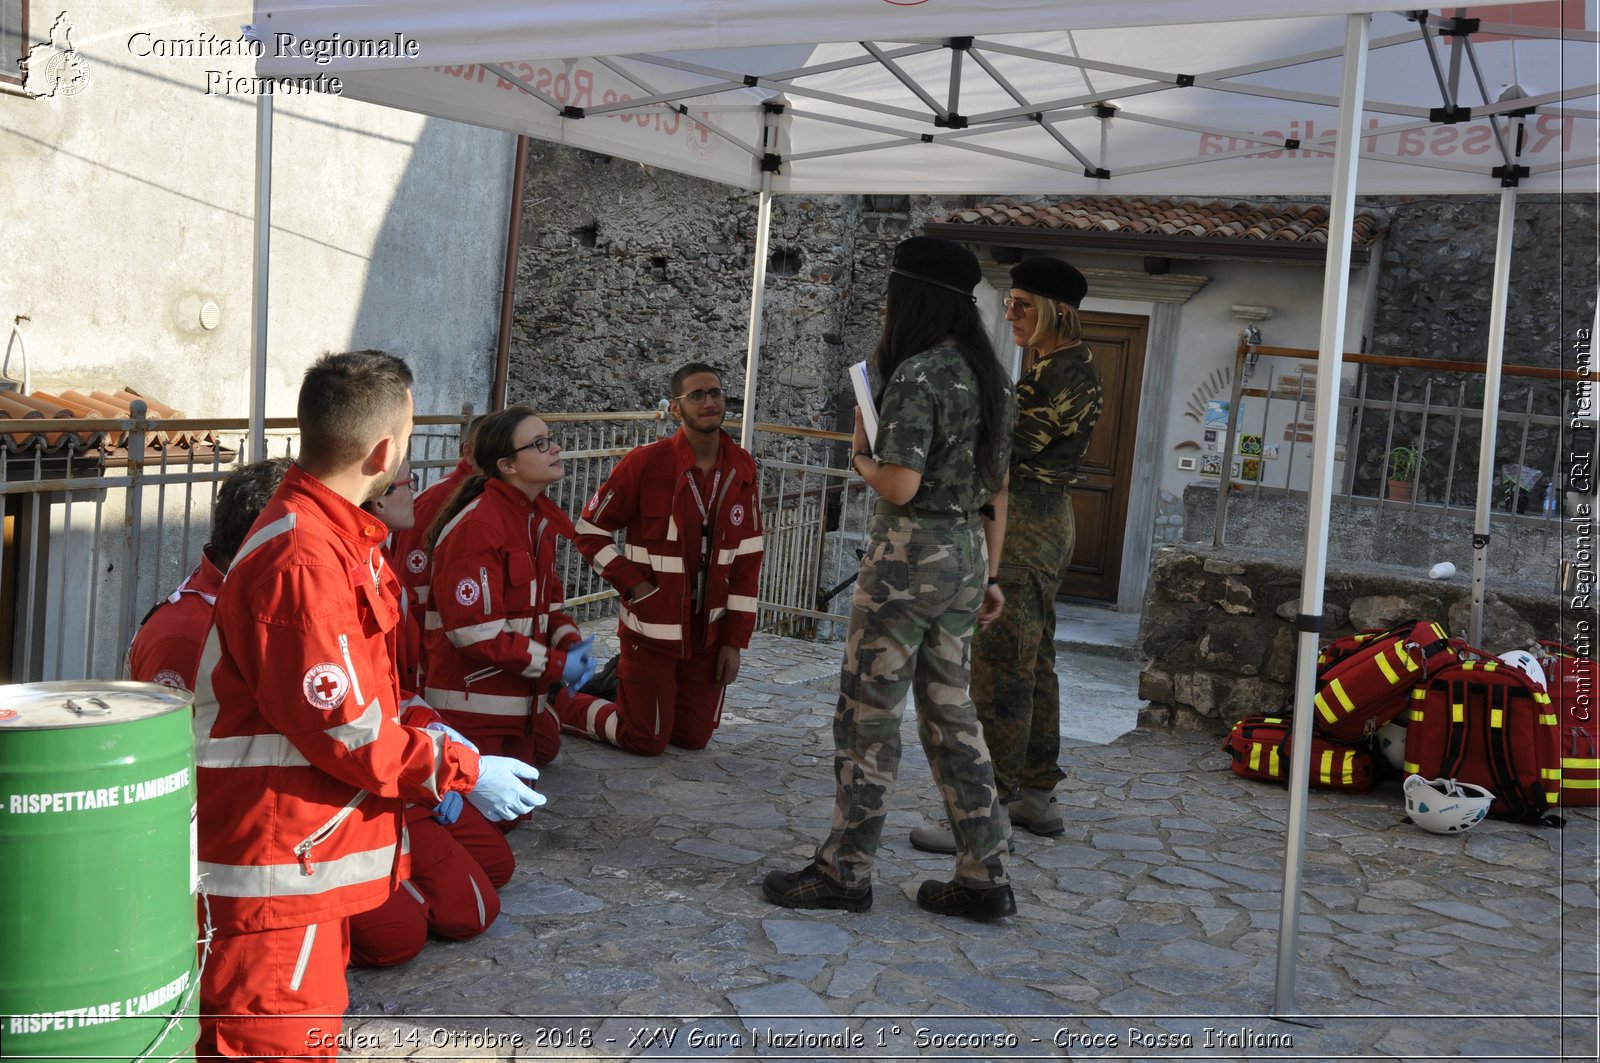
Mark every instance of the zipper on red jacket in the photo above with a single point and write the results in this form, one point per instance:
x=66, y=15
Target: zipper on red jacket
x=302, y=851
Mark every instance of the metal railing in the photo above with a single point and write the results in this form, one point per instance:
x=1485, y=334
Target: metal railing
x=1267, y=448
x=96, y=534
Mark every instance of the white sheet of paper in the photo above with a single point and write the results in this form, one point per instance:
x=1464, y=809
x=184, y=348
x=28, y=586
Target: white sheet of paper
x=869, y=409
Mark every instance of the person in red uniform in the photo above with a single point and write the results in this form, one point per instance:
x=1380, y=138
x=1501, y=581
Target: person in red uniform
x=689, y=508
x=303, y=765
x=166, y=648
x=496, y=637
x=459, y=860
x=410, y=550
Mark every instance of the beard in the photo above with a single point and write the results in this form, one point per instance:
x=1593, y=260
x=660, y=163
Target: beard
x=380, y=486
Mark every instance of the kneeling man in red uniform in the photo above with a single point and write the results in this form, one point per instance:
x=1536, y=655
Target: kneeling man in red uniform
x=304, y=767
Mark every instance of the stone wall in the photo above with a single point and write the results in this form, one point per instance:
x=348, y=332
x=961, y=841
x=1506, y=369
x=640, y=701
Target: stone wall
x=626, y=272
x=1219, y=640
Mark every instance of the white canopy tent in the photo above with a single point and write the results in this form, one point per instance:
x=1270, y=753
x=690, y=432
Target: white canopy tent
x=1290, y=97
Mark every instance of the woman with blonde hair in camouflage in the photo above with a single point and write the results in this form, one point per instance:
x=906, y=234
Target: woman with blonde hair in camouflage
x=1014, y=659
x=938, y=465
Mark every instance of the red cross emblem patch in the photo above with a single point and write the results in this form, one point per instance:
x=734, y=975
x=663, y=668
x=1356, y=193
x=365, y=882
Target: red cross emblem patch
x=736, y=515
x=416, y=561
x=169, y=678
x=467, y=592
x=326, y=686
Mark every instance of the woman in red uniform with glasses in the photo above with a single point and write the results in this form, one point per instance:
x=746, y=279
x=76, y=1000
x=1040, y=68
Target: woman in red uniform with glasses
x=498, y=643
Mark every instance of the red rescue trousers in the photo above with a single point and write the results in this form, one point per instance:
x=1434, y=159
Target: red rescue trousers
x=661, y=698
x=455, y=872
x=273, y=993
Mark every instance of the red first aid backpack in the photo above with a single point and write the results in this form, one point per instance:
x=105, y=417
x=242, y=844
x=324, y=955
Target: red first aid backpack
x=1571, y=681
x=1365, y=680
x=1260, y=748
x=1485, y=722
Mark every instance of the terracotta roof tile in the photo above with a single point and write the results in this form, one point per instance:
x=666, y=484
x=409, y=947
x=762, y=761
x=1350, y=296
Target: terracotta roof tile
x=71, y=405
x=1216, y=220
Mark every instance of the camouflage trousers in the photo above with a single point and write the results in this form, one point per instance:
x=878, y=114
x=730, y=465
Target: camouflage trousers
x=1014, y=659
x=911, y=620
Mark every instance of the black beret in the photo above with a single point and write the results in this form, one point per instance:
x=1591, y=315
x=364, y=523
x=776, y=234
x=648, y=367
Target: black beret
x=943, y=263
x=1051, y=278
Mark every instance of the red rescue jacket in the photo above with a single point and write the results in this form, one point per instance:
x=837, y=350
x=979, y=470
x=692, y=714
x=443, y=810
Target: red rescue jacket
x=410, y=553
x=647, y=496
x=303, y=764
x=166, y=648
x=495, y=635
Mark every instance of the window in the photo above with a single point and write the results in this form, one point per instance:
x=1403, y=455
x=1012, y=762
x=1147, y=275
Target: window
x=14, y=41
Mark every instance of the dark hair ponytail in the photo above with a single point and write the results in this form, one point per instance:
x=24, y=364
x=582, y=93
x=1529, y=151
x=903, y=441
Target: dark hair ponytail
x=494, y=439
x=920, y=316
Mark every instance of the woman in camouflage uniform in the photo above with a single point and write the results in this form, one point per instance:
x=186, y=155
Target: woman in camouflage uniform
x=939, y=460
x=1014, y=684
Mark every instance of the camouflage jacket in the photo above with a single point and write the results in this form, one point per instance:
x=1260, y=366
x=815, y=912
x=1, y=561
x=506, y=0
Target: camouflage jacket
x=1058, y=404
x=928, y=421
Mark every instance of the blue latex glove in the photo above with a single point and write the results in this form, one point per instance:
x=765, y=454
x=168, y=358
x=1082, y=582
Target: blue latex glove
x=502, y=792
x=452, y=734
x=448, y=810
x=580, y=664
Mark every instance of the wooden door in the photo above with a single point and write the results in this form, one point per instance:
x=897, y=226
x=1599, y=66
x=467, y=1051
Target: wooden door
x=1100, y=497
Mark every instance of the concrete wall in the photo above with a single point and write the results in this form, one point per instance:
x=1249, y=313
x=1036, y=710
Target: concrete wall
x=128, y=205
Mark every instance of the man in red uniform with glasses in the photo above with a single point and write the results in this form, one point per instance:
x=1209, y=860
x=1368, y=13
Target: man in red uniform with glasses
x=689, y=510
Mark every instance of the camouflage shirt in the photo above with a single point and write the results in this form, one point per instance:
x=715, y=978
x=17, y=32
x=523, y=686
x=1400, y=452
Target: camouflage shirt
x=1058, y=404
x=928, y=421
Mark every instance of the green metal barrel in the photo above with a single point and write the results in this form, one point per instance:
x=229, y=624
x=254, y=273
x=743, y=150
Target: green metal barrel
x=97, y=872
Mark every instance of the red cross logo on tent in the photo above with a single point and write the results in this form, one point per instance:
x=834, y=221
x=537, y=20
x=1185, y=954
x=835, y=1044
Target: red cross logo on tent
x=326, y=686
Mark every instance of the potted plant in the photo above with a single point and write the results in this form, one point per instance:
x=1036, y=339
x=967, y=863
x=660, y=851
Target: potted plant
x=1402, y=464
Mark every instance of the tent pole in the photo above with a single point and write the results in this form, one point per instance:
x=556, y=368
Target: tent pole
x=1335, y=296
x=258, y=298
x=758, y=291
x=1491, y=410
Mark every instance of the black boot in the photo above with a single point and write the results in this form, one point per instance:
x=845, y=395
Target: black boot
x=952, y=898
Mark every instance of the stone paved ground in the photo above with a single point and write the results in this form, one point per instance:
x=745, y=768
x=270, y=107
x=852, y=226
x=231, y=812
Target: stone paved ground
x=635, y=927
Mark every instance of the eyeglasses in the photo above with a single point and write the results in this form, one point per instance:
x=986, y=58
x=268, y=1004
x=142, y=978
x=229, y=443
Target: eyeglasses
x=541, y=444
x=410, y=483
x=702, y=394
x=1021, y=306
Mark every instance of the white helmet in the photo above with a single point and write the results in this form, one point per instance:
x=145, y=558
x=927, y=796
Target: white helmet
x=1445, y=806
x=1391, y=739
x=1528, y=663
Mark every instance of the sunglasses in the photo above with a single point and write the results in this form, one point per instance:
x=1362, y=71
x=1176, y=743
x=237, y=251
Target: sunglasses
x=410, y=482
x=702, y=394
x=541, y=444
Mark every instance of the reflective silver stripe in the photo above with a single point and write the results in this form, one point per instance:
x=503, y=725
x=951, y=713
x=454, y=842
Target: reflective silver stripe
x=286, y=880
x=718, y=613
x=361, y=731
x=422, y=591
x=431, y=621
x=583, y=527
x=438, y=738
x=604, y=558
x=448, y=528
x=473, y=634
x=416, y=894
x=483, y=581
x=486, y=704
x=672, y=528
x=477, y=895
x=726, y=555
x=281, y=526
x=660, y=562
x=751, y=545
x=742, y=603
x=538, y=659
x=561, y=632
x=655, y=631
x=305, y=957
